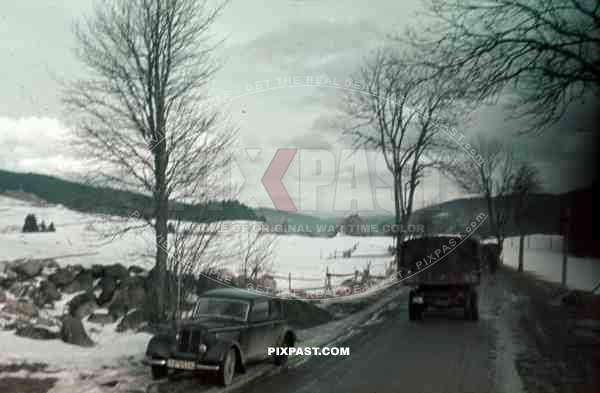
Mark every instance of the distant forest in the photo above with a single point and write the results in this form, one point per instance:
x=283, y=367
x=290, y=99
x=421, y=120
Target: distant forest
x=103, y=200
x=545, y=210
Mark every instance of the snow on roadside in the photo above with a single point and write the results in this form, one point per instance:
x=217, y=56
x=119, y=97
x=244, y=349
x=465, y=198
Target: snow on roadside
x=543, y=257
x=110, y=349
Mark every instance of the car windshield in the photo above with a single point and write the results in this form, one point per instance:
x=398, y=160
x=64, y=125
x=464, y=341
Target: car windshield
x=221, y=308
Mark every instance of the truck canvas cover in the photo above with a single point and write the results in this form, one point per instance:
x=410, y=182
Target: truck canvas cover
x=441, y=260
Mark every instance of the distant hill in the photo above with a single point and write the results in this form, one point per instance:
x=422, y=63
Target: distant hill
x=103, y=200
x=451, y=216
x=447, y=217
x=546, y=211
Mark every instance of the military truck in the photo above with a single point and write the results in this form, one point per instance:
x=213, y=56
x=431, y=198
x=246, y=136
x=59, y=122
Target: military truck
x=444, y=272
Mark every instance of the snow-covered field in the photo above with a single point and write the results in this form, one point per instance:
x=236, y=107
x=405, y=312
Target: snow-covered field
x=543, y=257
x=81, y=239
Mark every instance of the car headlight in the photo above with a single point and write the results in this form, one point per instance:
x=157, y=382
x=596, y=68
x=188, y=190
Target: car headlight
x=202, y=348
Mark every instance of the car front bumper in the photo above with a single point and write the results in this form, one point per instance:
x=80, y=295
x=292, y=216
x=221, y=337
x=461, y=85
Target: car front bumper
x=163, y=362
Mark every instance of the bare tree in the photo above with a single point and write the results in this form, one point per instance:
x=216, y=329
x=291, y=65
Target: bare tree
x=193, y=251
x=492, y=178
x=527, y=181
x=402, y=113
x=138, y=115
x=547, y=50
x=256, y=252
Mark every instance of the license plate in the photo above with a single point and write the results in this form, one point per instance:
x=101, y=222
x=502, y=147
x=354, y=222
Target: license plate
x=181, y=364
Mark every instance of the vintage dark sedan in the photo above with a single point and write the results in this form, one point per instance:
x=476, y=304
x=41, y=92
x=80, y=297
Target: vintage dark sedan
x=227, y=329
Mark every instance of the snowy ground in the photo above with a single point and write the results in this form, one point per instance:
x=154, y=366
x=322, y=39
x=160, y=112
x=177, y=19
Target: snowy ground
x=543, y=257
x=81, y=239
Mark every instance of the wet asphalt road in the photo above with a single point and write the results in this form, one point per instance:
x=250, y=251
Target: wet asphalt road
x=443, y=354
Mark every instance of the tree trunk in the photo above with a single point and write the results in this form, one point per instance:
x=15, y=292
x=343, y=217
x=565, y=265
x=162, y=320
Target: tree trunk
x=161, y=262
x=161, y=229
x=398, y=235
x=521, y=246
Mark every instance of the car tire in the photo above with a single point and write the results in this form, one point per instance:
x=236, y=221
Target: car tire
x=159, y=372
x=281, y=360
x=227, y=368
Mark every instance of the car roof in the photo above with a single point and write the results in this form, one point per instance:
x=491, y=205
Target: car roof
x=442, y=237
x=233, y=293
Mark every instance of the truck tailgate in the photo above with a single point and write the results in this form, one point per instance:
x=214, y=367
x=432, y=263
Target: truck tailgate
x=441, y=261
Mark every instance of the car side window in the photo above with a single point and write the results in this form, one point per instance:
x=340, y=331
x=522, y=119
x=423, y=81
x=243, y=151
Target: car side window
x=260, y=311
x=275, y=309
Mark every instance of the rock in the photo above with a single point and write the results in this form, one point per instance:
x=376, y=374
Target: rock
x=23, y=289
x=136, y=270
x=50, y=290
x=82, y=305
x=21, y=307
x=46, y=294
x=29, y=268
x=97, y=271
x=36, y=332
x=65, y=275
x=134, y=320
x=8, y=325
x=129, y=295
x=50, y=267
x=101, y=318
x=118, y=306
x=107, y=285
x=8, y=276
x=83, y=282
x=73, y=332
x=136, y=293
x=117, y=271
x=3, y=297
x=50, y=263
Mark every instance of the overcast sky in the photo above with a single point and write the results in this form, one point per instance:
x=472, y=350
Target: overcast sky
x=265, y=40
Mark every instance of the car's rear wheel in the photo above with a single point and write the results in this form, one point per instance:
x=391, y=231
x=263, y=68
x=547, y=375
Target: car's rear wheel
x=227, y=369
x=159, y=372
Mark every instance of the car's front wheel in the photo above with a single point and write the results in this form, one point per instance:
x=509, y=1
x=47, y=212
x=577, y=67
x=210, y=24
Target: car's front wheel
x=281, y=360
x=227, y=369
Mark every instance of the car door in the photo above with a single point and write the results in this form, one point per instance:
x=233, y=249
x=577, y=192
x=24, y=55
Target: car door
x=260, y=326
